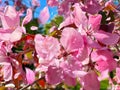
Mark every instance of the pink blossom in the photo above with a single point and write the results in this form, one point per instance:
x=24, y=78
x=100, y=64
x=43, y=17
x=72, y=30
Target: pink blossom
x=10, y=19
x=67, y=72
x=71, y=81
x=106, y=38
x=54, y=75
x=7, y=62
x=104, y=75
x=79, y=16
x=7, y=72
x=102, y=65
x=28, y=17
x=59, y=76
x=104, y=60
x=91, y=6
x=94, y=44
x=11, y=36
x=71, y=65
x=71, y=40
x=4, y=59
x=90, y=81
x=53, y=28
x=34, y=28
x=44, y=15
x=117, y=87
x=64, y=7
x=35, y=3
x=94, y=22
x=30, y=76
x=74, y=43
x=66, y=22
x=52, y=2
x=118, y=74
x=11, y=30
x=47, y=48
x=16, y=35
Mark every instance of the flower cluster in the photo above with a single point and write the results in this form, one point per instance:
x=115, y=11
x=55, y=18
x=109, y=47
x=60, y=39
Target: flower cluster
x=82, y=49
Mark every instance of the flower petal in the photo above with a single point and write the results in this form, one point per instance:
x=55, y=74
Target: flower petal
x=54, y=75
x=30, y=75
x=16, y=35
x=106, y=38
x=28, y=17
x=44, y=15
x=7, y=72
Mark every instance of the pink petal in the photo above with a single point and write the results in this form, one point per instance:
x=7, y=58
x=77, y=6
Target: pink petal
x=101, y=55
x=117, y=87
x=95, y=21
x=71, y=39
x=70, y=66
x=35, y=3
x=4, y=60
x=66, y=22
x=10, y=12
x=79, y=73
x=12, y=23
x=5, y=36
x=47, y=47
x=106, y=38
x=54, y=75
x=102, y=65
x=28, y=17
x=94, y=44
x=8, y=72
x=4, y=22
x=79, y=16
x=16, y=35
x=52, y=2
x=104, y=75
x=118, y=74
x=104, y=60
x=34, y=28
x=90, y=81
x=63, y=7
x=44, y=15
x=30, y=76
x=53, y=28
x=69, y=80
x=91, y=6
x=10, y=19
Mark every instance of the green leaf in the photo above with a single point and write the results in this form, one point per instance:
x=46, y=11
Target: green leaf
x=33, y=22
x=77, y=87
x=57, y=20
x=54, y=22
x=104, y=17
x=104, y=85
x=111, y=15
x=47, y=27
